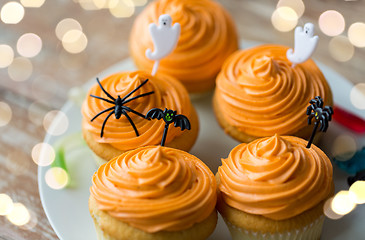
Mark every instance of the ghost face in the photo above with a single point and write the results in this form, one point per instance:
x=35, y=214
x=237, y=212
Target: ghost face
x=309, y=29
x=165, y=20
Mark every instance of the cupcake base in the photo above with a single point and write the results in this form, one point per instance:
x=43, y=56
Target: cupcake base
x=109, y=228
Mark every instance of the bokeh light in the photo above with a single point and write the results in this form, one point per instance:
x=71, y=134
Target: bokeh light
x=344, y=147
x=331, y=23
x=5, y=114
x=76, y=95
x=43, y=154
x=100, y=4
x=342, y=203
x=296, y=5
x=29, y=45
x=88, y=4
x=341, y=49
x=12, y=13
x=56, y=178
x=32, y=221
x=327, y=210
x=36, y=113
x=6, y=55
x=284, y=19
x=357, y=96
x=6, y=204
x=121, y=8
x=357, y=192
x=55, y=122
x=20, y=69
x=74, y=41
x=66, y=25
x=356, y=34
x=32, y=3
x=17, y=162
x=19, y=215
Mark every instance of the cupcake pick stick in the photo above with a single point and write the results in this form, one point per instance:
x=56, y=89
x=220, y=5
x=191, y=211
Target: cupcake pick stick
x=164, y=38
x=169, y=116
x=119, y=109
x=320, y=114
x=304, y=44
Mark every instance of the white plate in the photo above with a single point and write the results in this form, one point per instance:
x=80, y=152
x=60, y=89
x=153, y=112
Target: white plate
x=67, y=209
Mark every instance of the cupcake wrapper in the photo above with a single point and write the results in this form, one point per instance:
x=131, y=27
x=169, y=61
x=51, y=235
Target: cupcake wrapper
x=309, y=232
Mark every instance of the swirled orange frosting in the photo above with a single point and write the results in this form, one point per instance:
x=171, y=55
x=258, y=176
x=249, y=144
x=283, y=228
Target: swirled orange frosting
x=155, y=188
x=168, y=93
x=208, y=36
x=276, y=177
x=260, y=93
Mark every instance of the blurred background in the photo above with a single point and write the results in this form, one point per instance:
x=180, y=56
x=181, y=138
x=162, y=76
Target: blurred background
x=48, y=48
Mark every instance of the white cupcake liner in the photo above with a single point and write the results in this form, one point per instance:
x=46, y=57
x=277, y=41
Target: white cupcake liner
x=310, y=232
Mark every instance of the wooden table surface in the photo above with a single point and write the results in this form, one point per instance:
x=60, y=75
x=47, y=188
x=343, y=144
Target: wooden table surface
x=55, y=72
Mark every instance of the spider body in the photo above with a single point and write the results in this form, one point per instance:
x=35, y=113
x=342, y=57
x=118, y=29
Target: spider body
x=119, y=107
x=322, y=115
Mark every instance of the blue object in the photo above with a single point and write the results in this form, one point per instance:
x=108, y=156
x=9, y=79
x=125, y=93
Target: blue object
x=354, y=164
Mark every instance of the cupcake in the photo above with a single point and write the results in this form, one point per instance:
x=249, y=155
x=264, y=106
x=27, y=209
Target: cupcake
x=259, y=94
x=119, y=135
x=152, y=193
x=208, y=36
x=274, y=188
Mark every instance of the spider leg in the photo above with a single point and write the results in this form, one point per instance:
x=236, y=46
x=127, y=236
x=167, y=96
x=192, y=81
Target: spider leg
x=106, y=119
x=133, y=111
x=320, y=101
x=309, y=109
x=134, y=90
x=324, y=123
x=133, y=98
x=106, y=100
x=310, y=118
x=131, y=122
x=97, y=115
x=108, y=94
x=327, y=115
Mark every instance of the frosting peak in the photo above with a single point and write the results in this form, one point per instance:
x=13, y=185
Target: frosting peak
x=265, y=67
x=277, y=177
x=155, y=188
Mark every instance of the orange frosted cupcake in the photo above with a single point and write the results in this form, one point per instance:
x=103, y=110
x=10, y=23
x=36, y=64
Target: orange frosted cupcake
x=274, y=188
x=118, y=134
x=259, y=94
x=208, y=36
x=151, y=193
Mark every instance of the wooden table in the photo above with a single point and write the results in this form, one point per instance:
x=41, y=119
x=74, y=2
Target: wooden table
x=52, y=78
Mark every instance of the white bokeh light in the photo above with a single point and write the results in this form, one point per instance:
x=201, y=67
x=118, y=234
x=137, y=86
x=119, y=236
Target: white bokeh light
x=356, y=34
x=296, y=5
x=56, y=178
x=29, y=45
x=341, y=49
x=327, y=210
x=55, y=122
x=6, y=204
x=284, y=19
x=357, y=96
x=344, y=147
x=12, y=13
x=121, y=8
x=20, y=69
x=43, y=154
x=74, y=41
x=6, y=55
x=5, y=114
x=357, y=191
x=19, y=215
x=342, y=203
x=331, y=23
x=32, y=3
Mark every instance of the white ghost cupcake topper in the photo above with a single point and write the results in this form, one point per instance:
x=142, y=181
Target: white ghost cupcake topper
x=164, y=38
x=304, y=44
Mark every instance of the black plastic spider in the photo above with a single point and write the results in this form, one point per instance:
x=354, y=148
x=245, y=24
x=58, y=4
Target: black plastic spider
x=119, y=109
x=322, y=116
